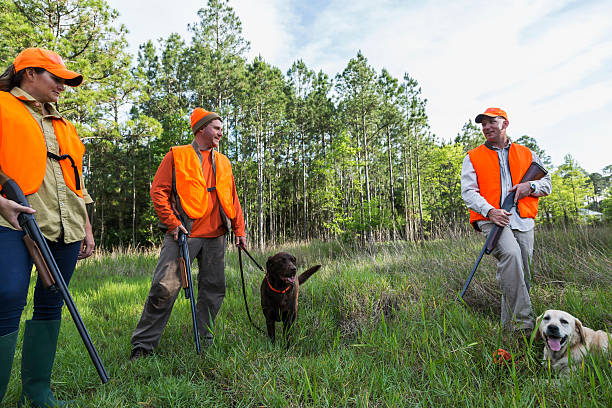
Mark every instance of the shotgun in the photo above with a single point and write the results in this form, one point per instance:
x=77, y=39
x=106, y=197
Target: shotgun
x=187, y=282
x=534, y=172
x=47, y=267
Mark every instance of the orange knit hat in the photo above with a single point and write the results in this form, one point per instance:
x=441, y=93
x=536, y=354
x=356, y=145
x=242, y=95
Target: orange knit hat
x=48, y=60
x=200, y=118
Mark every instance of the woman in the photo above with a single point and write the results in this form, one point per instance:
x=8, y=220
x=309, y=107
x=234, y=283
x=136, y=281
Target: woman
x=35, y=142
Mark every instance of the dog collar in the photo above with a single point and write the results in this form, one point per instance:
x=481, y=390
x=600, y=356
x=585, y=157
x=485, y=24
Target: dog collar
x=276, y=290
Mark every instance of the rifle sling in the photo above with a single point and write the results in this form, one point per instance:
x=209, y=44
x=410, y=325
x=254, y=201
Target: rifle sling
x=77, y=179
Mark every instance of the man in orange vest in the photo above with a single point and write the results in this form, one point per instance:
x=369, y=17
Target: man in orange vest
x=194, y=191
x=489, y=173
x=41, y=151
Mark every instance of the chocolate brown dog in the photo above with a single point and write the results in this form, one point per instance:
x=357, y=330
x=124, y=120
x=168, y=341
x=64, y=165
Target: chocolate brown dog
x=279, y=291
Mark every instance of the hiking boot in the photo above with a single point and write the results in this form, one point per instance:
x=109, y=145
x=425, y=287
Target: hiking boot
x=138, y=352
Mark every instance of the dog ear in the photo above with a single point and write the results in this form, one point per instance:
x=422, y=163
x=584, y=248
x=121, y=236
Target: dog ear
x=538, y=332
x=269, y=263
x=580, y=331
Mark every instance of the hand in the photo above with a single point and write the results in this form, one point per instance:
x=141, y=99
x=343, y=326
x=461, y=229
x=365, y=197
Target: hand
x=175, y=232
x=241, y=242
x=88, y=244
x=10, y=210
x=499, y=216
x=522, y=190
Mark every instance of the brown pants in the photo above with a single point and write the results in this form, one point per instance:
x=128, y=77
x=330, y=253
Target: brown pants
x=210, y=253
x=513, y=253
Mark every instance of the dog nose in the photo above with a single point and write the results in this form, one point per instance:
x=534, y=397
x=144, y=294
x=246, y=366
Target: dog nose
x=552, y=330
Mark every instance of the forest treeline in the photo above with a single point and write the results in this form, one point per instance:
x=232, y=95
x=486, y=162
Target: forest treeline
x=315, y=155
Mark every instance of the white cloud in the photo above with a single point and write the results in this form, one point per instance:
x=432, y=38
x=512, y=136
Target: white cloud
x=266, y=24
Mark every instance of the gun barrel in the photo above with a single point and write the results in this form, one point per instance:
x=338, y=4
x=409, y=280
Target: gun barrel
x=29, y=225
x=534, y=172
x=188, y=283
x=469, y=279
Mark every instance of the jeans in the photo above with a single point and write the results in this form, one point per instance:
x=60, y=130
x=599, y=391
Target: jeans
x=15, y=270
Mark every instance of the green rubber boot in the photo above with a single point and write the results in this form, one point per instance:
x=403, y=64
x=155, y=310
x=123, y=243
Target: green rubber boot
x=39, y=344
x=7, y=352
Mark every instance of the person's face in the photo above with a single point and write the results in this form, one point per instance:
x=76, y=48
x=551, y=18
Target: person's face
x=44, y=86
x=209, y=136
x=494, y=129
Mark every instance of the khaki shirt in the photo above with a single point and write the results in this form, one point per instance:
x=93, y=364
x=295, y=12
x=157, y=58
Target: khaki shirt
x=58, y=209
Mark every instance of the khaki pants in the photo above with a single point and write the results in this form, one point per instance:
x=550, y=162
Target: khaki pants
x=210, y=253
x=513, y=253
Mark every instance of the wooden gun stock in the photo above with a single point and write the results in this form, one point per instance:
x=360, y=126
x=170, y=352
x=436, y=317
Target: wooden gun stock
x=183, y=273
x=534, y=172
x=41, y=266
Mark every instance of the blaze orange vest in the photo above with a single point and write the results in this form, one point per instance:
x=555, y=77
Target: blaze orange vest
x=191, y=185
x=23, y=152
x=486, y=164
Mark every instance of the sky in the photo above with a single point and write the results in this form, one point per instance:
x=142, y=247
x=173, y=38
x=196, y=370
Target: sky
x=548, y=64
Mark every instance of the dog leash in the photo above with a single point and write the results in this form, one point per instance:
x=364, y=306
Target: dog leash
x=246, y=305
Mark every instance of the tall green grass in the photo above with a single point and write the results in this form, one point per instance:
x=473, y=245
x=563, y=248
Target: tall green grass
x=377, y=328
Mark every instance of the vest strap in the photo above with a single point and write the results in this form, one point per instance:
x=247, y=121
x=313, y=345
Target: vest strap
x=77, y=179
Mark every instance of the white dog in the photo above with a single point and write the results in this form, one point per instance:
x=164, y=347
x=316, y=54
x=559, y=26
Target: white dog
x=562, y=331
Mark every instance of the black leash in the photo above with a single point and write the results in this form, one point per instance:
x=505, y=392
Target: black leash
x=246, y=305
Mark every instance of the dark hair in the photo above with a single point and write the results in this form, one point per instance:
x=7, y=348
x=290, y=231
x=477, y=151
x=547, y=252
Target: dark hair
x=10, y=79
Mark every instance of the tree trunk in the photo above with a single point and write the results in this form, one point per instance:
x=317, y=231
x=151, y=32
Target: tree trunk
x=304, y=208
x=133, y=197
x=260, y=180
x=422, y=235
x=367, y=179
x=391, y=192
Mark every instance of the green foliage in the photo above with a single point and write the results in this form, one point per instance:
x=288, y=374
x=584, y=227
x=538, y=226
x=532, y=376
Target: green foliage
x=315, y=155
x=570, y=188
x=532, y=144
x=378, y=328
x=606, y=207
x=470, y=136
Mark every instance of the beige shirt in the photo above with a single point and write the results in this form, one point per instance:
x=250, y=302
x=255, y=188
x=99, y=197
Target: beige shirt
x=58, y=209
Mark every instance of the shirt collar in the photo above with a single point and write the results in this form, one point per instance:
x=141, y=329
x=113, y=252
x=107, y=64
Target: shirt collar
x=506, y=147
x=26, y=97
x=197, y=148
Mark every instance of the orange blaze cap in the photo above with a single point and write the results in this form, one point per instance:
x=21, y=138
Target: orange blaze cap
x=200, y=118
x=48, y=60
x=492, y=113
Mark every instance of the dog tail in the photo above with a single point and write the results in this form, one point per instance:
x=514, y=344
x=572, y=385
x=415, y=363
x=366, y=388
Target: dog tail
x=307, y=274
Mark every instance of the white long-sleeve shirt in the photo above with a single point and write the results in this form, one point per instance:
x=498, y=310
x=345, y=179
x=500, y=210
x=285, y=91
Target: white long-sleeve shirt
x=476, y=202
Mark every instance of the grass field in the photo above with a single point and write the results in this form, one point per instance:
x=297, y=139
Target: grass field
x=379, y=329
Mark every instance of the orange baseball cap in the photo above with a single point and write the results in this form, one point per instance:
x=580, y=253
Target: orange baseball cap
x=48, y=60
x=200, y=118
x=492, y=113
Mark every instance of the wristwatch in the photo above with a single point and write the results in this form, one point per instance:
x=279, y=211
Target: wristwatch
x=533, y=186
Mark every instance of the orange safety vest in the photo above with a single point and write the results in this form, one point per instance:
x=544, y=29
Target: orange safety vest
x=191, y=185
x=486, y=164
x=23, y=152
